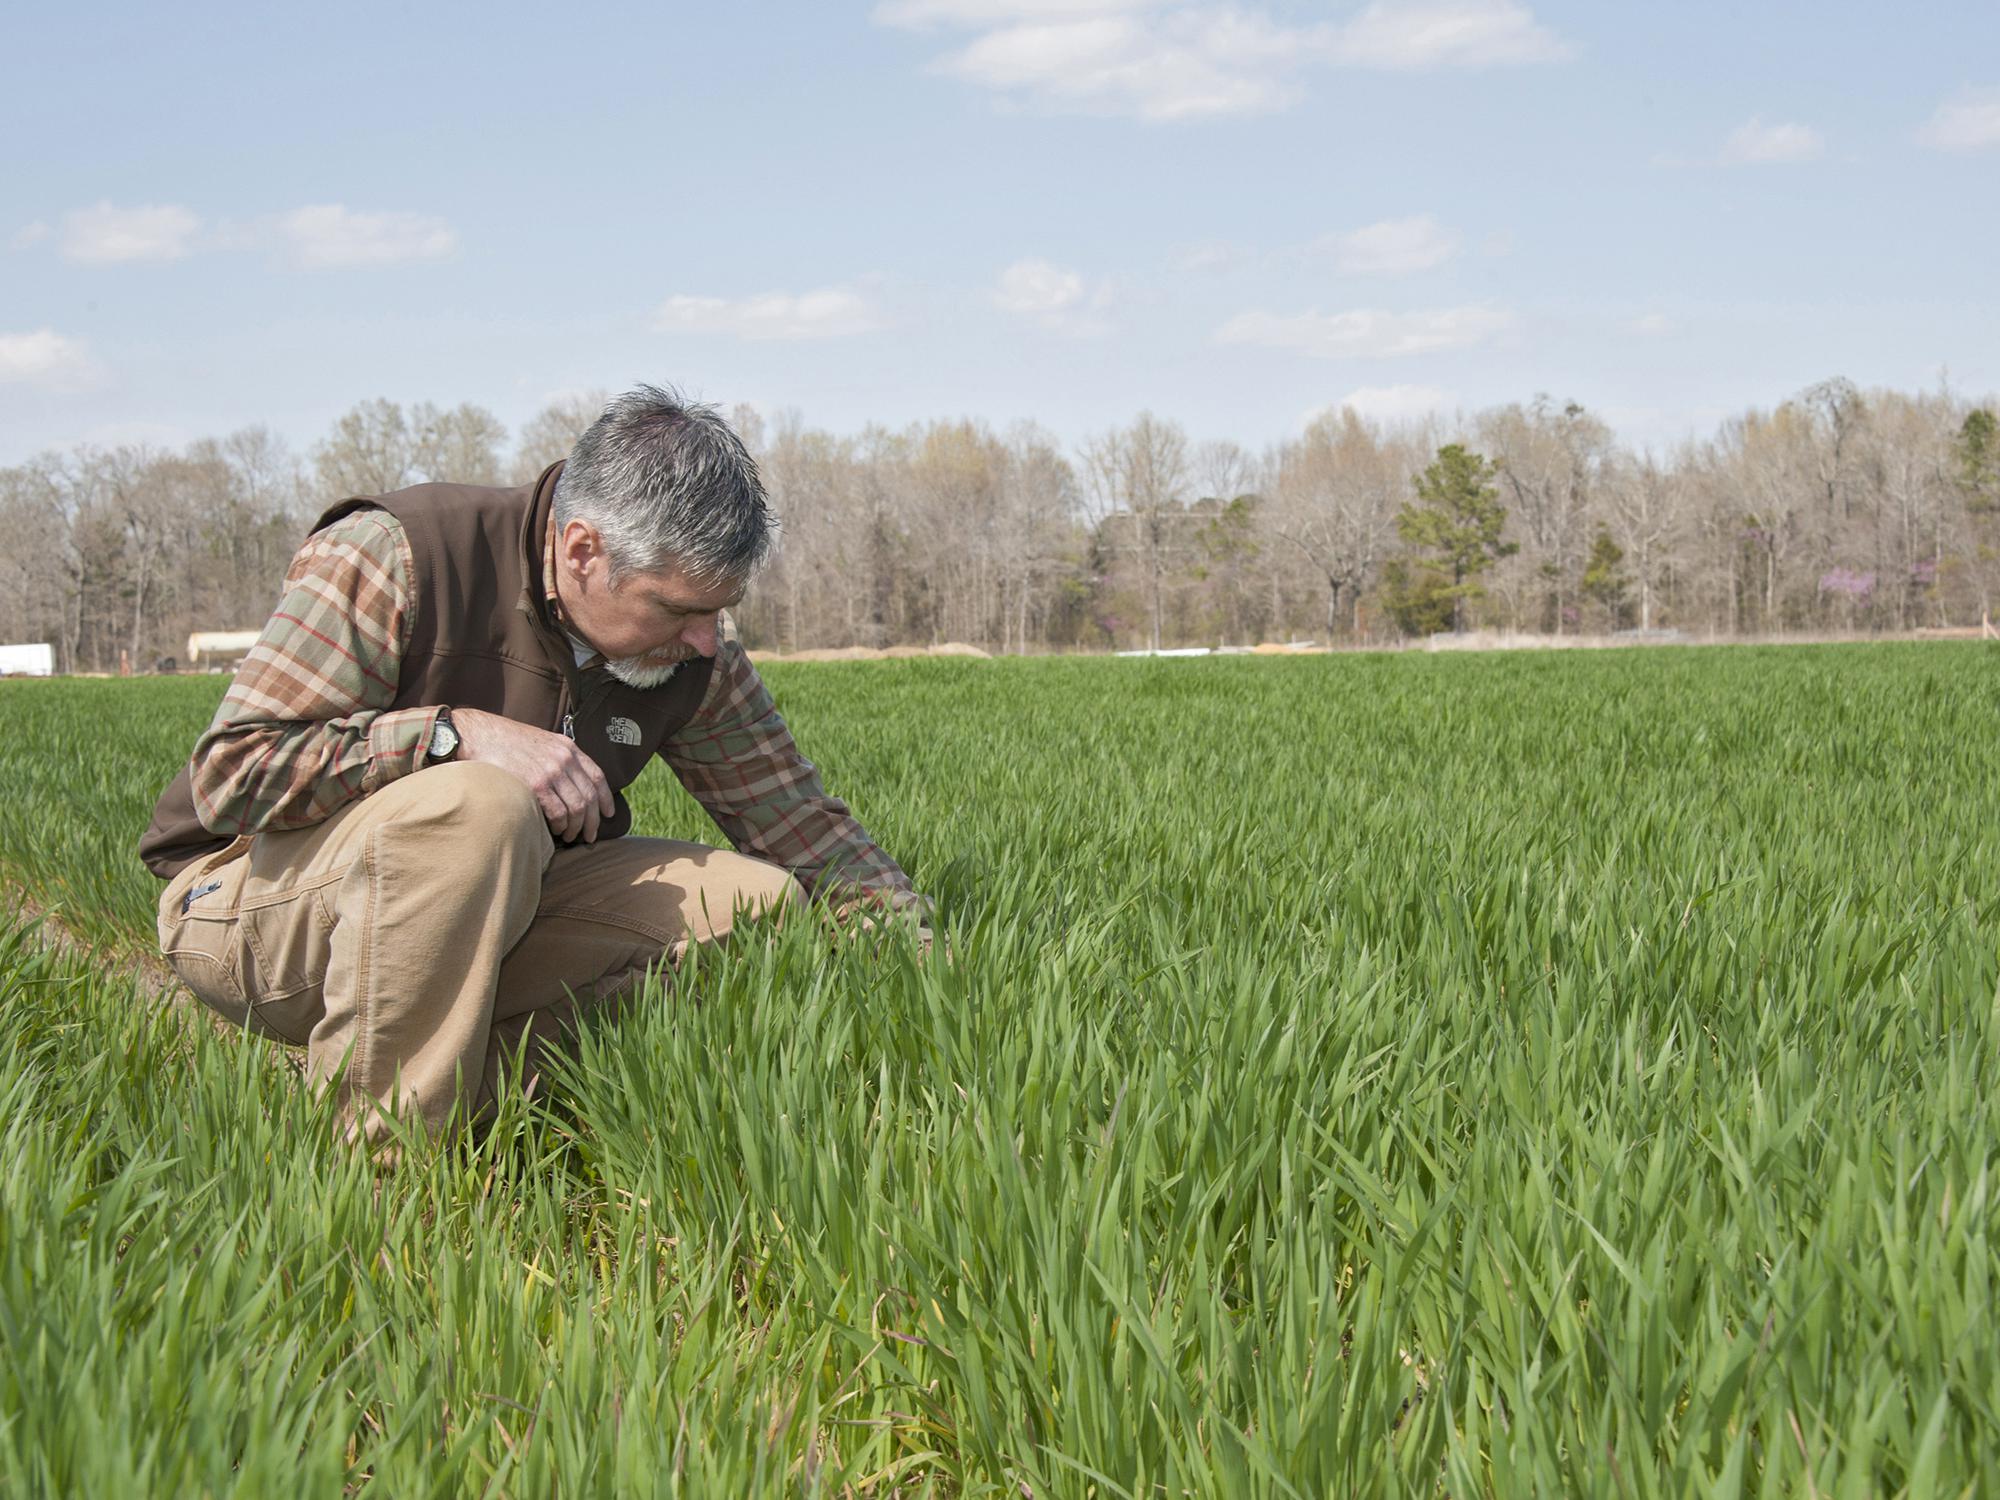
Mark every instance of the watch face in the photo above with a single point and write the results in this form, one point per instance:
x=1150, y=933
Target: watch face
x=444, y=740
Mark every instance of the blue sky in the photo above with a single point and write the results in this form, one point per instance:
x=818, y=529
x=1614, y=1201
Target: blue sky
x=1064, y=210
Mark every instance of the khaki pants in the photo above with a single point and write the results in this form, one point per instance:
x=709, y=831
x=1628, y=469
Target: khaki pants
x=423, y=934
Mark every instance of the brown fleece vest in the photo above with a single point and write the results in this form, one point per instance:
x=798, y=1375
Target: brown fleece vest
x=480, y=636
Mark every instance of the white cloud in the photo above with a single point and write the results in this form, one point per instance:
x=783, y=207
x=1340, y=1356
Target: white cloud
x=1448, y=34
x=1162, y=60
x=830, y=312
x=323, y=236
x=105, y=234
x=1368, y=334
x=1060, y=300
x=1396, y=403
x=1652, y=325
x=47, y=359
x=1182, y=65
x=1970, y=122
x=1037, y=287
x=313, y=237
x=1754, y=143
x=1394, y=247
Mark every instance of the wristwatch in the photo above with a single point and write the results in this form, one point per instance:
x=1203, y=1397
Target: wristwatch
x=444, y=738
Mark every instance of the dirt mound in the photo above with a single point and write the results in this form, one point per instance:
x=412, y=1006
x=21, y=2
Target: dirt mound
x=822, y=653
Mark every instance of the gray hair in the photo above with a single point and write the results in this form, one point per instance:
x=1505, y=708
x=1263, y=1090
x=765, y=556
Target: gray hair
x=666, y=483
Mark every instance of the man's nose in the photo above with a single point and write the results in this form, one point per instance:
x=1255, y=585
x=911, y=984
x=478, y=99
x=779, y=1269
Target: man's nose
x=700, y=635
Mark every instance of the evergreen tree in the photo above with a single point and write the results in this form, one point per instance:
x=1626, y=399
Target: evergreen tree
x=1603, y=582
x=1418, y=600
x=1979, y=462
x=1458, y=516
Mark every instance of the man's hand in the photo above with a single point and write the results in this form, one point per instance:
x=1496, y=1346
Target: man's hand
x=572, y=791
x=870, y=917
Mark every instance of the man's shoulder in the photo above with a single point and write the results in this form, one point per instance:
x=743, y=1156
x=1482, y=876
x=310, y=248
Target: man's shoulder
x=439, y=502
x=366, y=539
x=468, y=531
x=365, y=523
x=448, y=492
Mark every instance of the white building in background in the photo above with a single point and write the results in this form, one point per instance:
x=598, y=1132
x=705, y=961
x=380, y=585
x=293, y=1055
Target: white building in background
x=38, y=660
x=212, y=648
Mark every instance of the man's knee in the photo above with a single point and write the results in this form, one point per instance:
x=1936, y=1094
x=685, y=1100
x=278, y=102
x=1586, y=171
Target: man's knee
x=767, y=888
x=737, y=888
x=478, y=799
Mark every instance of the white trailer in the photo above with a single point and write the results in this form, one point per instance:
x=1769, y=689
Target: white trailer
x=38, y=660
x=219, y=646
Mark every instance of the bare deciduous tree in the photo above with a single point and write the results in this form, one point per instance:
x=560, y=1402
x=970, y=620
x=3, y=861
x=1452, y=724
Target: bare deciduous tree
x=1138, y=477
x=1549, y=457
x=1338, y=490
x=1645, y=515
x=461, y=446
x=369, y=452
x=552, y=432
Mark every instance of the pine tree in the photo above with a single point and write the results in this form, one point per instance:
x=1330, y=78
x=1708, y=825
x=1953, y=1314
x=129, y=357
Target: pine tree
x=1458, y=516
x=1979, y=462
x=1603, y=581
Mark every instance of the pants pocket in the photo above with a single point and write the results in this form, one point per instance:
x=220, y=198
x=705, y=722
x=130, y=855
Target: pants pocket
x=198, y=932
x=287, y=942
x=257, y=957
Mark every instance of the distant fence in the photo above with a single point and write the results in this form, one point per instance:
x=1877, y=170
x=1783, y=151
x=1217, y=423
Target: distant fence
x=1983, y=631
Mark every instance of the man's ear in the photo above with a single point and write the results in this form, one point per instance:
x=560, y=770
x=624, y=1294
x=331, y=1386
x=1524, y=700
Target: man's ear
x=578, y=546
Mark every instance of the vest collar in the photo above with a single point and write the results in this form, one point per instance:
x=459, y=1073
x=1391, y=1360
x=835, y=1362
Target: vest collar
x=537, y=545
x=538, y=593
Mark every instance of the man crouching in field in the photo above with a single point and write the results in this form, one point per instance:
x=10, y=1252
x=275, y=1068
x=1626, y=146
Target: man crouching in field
x=403, y=844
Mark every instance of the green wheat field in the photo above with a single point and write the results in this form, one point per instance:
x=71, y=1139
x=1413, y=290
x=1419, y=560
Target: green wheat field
x=1565, y=1073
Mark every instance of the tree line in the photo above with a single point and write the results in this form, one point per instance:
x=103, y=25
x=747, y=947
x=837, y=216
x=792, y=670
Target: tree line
x=1839, y=510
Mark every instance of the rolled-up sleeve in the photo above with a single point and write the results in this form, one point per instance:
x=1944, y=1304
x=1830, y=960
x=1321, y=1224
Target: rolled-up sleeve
x=740, y=762
x=306, y=726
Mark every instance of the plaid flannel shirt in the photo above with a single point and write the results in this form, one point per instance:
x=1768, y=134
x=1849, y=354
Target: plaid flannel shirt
x=306, y=726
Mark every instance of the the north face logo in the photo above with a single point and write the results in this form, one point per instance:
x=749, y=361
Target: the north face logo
x=622, y=732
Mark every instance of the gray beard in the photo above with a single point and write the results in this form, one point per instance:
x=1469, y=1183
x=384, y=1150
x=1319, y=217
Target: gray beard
x=638, y=672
